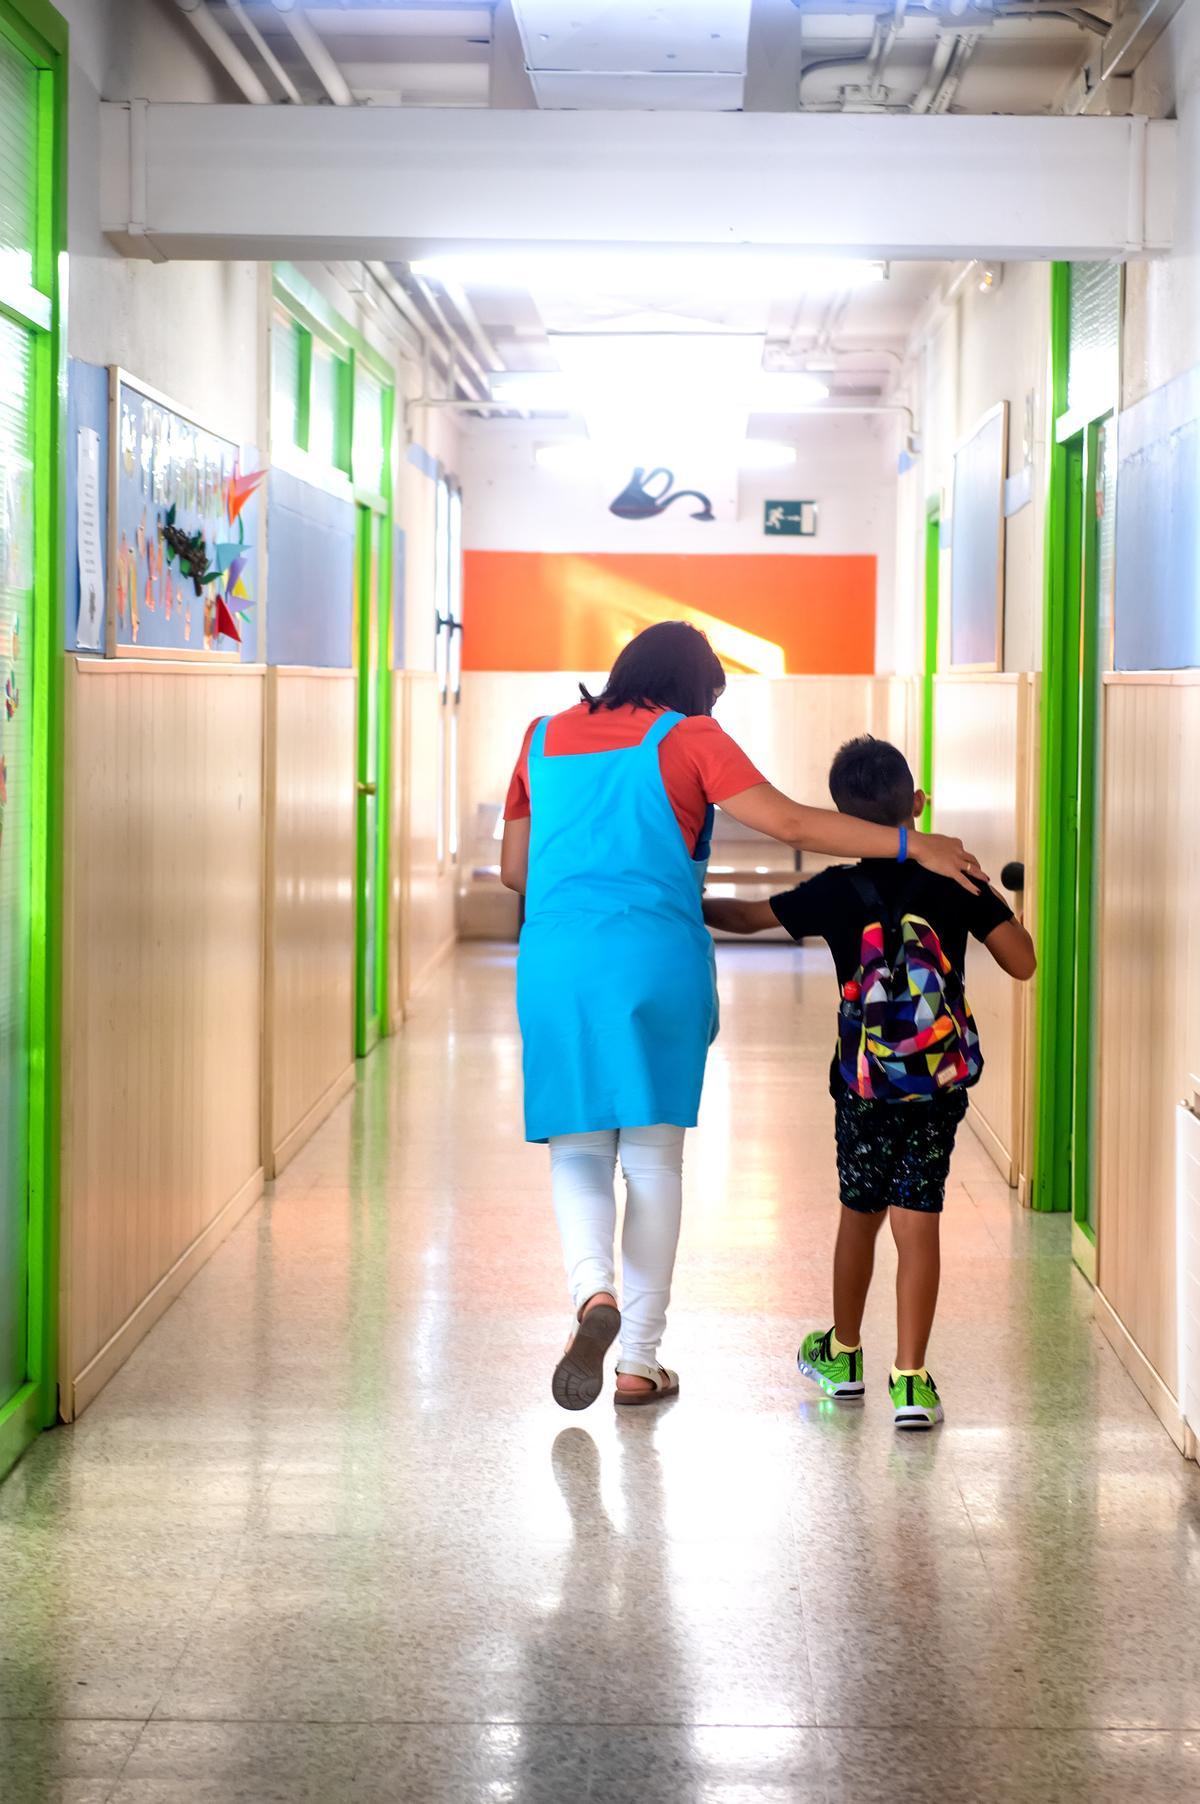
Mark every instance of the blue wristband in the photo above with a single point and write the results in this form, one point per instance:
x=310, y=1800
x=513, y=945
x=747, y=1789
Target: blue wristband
x=902, y=854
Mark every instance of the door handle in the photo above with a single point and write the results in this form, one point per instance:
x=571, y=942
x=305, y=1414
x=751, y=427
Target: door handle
x=366, y=789
x=1013, y=876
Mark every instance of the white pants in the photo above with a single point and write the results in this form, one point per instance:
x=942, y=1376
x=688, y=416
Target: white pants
x=582, y=1170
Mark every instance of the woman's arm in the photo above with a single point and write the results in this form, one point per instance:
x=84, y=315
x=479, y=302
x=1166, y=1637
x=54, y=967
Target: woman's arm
x=769, y=811
x=514, y=854
x=728, y=915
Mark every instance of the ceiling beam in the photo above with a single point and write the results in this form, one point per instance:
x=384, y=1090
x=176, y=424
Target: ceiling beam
x=362, y=182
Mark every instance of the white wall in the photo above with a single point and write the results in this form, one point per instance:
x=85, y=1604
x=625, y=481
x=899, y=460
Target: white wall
x=988, y=348
x=190, y=329
x=845, y=463
x=1162, y=299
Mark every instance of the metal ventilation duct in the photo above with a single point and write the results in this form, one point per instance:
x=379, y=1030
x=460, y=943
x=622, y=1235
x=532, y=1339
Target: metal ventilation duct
x=601, y=54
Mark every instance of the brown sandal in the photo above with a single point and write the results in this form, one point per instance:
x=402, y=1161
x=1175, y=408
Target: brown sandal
x=579, y=1374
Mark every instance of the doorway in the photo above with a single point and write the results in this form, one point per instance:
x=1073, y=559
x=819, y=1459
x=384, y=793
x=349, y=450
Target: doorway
x=371, y=638
x=1080, y=546
x=933, y=573
x=33, y=43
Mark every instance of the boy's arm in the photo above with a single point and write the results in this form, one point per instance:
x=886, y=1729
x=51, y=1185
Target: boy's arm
x=729, y=916
x=1011, y=946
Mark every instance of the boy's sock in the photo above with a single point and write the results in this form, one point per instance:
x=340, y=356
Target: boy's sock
x=905, y=1372
x=840, y=1346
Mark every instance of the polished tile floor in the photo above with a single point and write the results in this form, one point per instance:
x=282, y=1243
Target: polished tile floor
x=327, y=1538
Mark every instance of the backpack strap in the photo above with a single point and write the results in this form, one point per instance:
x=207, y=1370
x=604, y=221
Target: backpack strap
x=890, y=914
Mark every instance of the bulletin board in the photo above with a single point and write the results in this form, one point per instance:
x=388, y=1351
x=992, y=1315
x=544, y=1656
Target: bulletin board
x=182, y=525
x=1157, y=619
x=977, y=545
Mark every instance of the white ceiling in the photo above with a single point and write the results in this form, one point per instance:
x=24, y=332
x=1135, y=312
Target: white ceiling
x=697, y=55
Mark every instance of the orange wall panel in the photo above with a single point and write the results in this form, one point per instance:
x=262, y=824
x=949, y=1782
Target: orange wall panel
x=778, y=615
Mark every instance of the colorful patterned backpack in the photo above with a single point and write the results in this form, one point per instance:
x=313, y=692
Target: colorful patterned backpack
x=905, y=1029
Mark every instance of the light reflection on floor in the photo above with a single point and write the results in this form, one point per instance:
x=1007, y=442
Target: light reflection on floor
x=326, y=1536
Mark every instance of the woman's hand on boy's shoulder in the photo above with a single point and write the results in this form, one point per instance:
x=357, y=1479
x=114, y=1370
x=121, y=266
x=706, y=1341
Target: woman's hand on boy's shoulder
x=947, y=857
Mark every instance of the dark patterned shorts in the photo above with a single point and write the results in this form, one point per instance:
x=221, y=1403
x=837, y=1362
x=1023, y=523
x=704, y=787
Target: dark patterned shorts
x=896, y=1154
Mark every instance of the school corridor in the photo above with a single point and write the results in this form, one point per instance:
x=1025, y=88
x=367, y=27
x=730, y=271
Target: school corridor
x=326, y=1536
x=376, y=376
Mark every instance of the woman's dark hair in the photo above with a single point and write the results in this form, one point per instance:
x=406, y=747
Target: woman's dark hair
x=670, y=665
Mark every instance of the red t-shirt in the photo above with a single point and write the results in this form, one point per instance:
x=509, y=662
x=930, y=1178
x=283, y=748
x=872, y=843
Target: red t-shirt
x=699, y=762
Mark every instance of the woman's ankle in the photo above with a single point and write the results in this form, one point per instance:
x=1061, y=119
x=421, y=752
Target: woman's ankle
x=597, y=1297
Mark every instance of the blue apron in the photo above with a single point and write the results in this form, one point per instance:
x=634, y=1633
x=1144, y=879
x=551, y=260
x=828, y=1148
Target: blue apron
x=616, y=977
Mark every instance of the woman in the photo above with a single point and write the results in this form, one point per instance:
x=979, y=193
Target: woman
x=606, y=835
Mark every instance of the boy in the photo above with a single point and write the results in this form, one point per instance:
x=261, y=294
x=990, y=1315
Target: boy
x=907, y=1055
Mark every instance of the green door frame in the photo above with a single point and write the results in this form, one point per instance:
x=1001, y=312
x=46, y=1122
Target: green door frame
x=40, y=33
x=1061, y=1167
x=304, y=303
x=933, y=575
x=371, y=1025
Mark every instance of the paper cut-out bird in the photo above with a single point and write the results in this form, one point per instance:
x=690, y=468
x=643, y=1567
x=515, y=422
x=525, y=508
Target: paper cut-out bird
x=190, y=551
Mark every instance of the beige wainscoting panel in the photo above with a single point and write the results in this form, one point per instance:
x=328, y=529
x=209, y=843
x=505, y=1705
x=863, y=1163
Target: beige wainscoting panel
x=980, y=789
x=163, y=1002
x=310, y=922
x=790, y=726
x=1149, y=986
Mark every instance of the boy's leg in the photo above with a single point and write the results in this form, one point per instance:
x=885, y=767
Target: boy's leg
x=853, y=1265
x=916, y=1194
x=917, y=1233
x=866, y=1136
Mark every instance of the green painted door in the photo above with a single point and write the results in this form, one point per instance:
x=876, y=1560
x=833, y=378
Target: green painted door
x=1085, y=331
x=933, y=568
x=369, y=601
x=18, y=158
x=16, y=599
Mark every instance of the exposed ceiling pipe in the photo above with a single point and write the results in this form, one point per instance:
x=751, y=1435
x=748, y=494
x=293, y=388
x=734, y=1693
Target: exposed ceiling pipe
x=939, y=62
x=412, y=315
x=458, y=298
x=269, y=57
x=1135, y=29
x=1078, y=15
x=842, y=62
x=313, y=49
x=425, y=296
x=225, y=50
x=879, y=66
x=960, y=56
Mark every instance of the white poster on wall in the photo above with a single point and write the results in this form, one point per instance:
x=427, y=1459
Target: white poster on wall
x=91, y=561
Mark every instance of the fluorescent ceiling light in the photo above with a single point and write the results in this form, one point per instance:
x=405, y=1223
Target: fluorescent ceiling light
x=711, y=274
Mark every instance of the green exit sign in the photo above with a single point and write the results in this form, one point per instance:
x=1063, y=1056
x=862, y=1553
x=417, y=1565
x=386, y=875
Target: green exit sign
x=790, y=519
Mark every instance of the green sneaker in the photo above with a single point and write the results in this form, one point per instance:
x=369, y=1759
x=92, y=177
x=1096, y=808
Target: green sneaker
x=915, y=1402
x=838, y=1374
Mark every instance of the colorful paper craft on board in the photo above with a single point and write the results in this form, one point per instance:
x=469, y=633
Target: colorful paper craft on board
x=238, y=491
x=226, y=625
x=185, y=507
x=12, y=696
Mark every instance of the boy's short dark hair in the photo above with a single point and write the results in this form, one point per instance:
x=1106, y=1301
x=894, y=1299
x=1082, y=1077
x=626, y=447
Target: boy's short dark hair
x=871, y=779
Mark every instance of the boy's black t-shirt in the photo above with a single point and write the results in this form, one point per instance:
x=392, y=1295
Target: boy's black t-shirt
x=828, y=907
